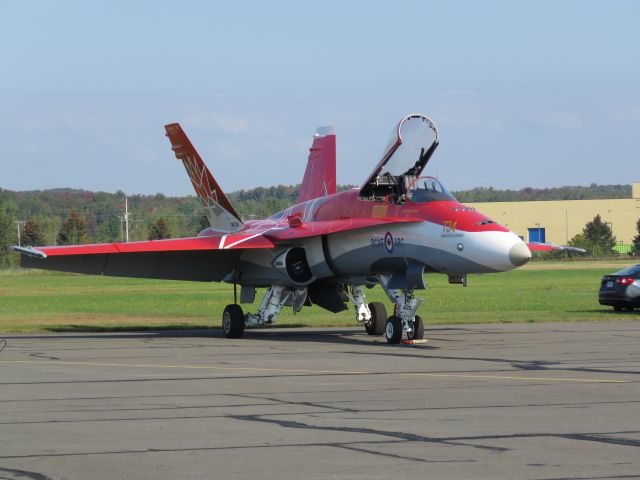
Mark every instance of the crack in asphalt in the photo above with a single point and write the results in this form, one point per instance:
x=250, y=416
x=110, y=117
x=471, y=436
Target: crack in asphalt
x=395, y=438
x=411, y=437
x=519, y=364
x=607, y=438
x=10, y=473
x=399, y=457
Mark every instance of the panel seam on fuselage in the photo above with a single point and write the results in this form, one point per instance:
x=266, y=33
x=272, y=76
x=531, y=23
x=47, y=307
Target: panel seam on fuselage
x=327, y=256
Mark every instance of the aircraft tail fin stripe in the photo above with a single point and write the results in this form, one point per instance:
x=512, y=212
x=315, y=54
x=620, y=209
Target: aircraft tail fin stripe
x=320, y=176
x=221, y=214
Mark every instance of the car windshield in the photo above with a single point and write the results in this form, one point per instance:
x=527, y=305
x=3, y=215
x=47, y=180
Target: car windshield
x=427, y=189
x=634, y=270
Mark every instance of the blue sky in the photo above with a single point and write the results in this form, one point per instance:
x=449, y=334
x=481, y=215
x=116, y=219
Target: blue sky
x=534, y=94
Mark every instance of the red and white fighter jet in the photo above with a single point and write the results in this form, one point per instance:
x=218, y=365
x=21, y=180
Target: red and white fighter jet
x=325, y=249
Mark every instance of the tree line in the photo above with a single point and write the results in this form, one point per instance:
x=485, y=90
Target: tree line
x=592, y=192
x=70, y=216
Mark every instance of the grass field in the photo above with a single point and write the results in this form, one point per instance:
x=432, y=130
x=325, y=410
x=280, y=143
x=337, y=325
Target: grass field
x=34, y=301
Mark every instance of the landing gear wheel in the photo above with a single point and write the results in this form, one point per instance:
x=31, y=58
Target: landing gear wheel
x=376, y=325
x=617, y=309
x=418, y=329
x=393, y=332
x=233, y=321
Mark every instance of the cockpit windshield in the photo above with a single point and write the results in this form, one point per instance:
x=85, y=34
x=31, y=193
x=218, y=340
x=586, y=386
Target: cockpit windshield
x=427, y=189
x=412, y=143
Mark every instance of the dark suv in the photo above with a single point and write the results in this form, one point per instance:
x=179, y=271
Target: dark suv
x=621, y=290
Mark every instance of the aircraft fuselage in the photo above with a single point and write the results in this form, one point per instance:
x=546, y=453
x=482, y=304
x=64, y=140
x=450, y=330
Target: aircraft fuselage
x=442, y=236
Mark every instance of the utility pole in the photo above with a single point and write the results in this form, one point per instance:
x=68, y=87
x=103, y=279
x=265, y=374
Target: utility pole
x=126, y=218
x=18, y=222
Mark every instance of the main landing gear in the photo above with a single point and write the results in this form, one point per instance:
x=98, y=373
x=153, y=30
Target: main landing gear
x=233, y=321
x=276, y=297
x=374, y=314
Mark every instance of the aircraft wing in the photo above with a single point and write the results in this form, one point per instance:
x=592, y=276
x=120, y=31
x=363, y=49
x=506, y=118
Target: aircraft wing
x=204, y=259
x=550, y=247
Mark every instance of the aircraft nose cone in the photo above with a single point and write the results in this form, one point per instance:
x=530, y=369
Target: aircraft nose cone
x=519, y=254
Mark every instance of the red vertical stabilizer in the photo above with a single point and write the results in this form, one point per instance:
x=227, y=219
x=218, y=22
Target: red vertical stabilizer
x=221, y=214
x=320, y=176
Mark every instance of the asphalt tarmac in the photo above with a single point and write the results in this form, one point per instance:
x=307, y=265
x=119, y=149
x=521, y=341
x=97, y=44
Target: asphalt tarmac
x=518, y=401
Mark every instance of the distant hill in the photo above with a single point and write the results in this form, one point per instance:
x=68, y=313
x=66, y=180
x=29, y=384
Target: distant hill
x=103, y=211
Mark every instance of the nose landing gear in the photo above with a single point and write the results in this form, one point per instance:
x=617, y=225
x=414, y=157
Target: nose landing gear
x=404, y=318
x=393, y=332
x=374, y=314
x=396, y=326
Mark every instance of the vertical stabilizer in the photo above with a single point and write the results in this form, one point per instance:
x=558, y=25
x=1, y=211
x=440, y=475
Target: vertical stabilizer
x=221, y=214
x=320, y=176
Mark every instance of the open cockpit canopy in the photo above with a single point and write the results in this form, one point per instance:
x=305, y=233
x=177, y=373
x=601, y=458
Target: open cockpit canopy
x=411, y=146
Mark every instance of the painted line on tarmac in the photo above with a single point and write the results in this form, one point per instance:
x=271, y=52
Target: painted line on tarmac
x=320, y=372
x=204, y=367
x=509, y=377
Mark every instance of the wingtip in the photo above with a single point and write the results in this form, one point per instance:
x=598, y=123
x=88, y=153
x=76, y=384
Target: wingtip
x=29, y=251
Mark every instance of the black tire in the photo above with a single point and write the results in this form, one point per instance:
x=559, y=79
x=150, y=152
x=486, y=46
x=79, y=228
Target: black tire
x=378, y=319
x=617, y=309
x=393, y=331
x=418, y=329
x=233, y=321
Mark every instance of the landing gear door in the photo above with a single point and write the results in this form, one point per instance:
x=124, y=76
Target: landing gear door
x=411, y=146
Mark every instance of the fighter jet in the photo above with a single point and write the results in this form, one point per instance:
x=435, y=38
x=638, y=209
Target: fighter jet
x=325, y=250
